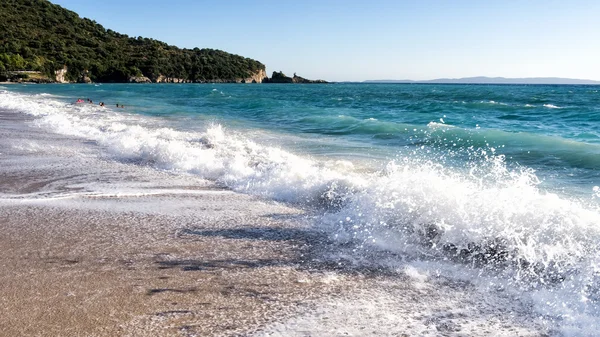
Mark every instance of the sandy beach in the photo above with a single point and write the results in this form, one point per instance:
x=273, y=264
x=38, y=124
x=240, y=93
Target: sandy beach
x=333, y=169
x=96, y=247
x=233, y=272
x=95, y=273
x=181, y=257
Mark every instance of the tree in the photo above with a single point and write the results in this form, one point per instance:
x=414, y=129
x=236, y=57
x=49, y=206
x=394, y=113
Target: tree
x=38, y=35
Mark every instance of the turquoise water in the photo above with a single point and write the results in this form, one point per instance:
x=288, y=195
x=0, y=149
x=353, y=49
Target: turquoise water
x=552, y=129
x=500, y=179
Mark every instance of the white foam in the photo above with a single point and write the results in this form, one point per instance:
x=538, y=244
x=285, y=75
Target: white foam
x=390, y=210
x=552, y=106
x=392, y=308
x=214, y=154
x=493, y=102
x=434, y=125
x=491, y=202
x=418, y=277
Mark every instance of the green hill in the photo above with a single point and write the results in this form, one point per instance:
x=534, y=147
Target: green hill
x=37, y=35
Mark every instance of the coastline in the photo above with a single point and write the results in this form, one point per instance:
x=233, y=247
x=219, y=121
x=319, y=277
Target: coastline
x=164, y=255
x=98, y=247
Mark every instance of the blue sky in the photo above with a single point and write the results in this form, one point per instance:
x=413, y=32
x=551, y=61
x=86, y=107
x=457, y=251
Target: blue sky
x=348, y=40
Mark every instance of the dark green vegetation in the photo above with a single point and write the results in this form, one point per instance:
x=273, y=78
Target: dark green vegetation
x=40, y=36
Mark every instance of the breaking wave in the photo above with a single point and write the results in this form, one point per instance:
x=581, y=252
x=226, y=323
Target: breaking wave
x=486, y=216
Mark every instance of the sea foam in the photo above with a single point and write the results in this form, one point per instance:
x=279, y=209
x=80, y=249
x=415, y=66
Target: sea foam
x=552, y=106
x=489, y=202
x=488, y=217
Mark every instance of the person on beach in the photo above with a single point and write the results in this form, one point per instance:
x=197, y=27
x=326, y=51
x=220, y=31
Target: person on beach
x=102, y=104
x=79, y=100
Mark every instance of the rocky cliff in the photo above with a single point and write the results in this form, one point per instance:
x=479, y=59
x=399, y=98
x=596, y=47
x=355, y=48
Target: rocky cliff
x=166, y=79
x=61, y=75
x=139, y=79
x=256, y=77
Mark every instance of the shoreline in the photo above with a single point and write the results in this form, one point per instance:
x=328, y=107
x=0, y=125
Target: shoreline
x=99, y=247
x=236, y=271
x=162, y=255
x=88, y=272
x=233, y=272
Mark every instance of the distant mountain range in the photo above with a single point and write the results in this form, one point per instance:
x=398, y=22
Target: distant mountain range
x=495, y=80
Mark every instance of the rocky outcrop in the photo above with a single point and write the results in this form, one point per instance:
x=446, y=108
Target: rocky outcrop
x=259, y=76
x=139, y=79
x=85, y=77
x=256, y=77
x=218, y=80
x=61, y=75
x=165, y=79
x=298, y=79
x=280, y=77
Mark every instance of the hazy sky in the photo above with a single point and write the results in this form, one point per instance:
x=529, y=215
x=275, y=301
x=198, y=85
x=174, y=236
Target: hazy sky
x=348, y=40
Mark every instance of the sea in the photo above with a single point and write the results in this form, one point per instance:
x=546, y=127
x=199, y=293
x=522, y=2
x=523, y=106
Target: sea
x=494, y=186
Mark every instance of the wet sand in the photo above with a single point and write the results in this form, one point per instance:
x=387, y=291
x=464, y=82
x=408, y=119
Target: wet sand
x=95, y=247
x=96, y=273
x=236, y=271
x=92, y=247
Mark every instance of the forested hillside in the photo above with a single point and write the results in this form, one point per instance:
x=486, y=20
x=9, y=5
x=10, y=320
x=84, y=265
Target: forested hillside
x=38, y=35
